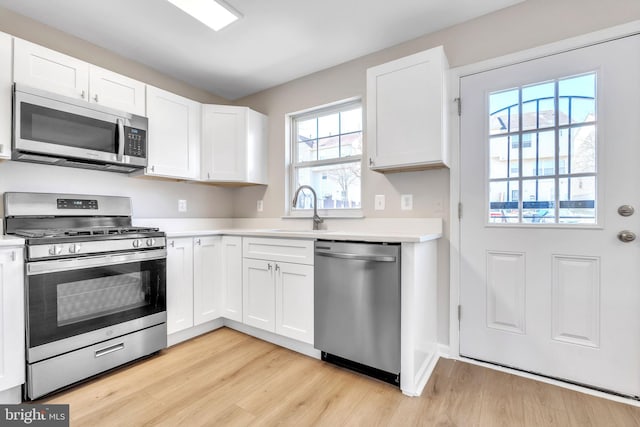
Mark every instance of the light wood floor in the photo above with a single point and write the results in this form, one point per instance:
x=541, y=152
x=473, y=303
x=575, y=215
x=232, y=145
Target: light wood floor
x=226, y=378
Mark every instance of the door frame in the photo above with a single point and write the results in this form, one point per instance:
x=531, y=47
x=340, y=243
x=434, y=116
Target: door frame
x=455, y=74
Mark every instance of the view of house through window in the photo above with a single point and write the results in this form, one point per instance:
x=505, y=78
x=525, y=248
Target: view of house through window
x=326, y=155
x=542, y=152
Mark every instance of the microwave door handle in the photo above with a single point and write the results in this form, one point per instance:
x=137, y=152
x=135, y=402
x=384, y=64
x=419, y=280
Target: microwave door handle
x=120, y=139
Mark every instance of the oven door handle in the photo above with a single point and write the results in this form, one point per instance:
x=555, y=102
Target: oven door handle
x=53, y=266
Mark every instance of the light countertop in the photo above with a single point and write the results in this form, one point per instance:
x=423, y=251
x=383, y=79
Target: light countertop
x=10, y=241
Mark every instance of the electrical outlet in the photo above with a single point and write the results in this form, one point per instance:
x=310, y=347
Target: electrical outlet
x=379, y=202
x=406, y=202
x=260, y=206
x=182, y=205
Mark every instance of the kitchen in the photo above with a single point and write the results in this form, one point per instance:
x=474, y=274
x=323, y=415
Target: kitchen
x=157, y=199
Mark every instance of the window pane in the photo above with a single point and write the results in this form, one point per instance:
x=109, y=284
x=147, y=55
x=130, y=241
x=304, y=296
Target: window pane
x=306, y=131
x=583, y=149
x=503, y=202
x=329, y=148
x=351, y=121
x=351, y=144
x=337, y=186
x=538, y=153
x=503, y=112
x=577, y=99
x=538, y=109
x=503, y=159
x=578, y=200
x=329, y=125
x=538, y=201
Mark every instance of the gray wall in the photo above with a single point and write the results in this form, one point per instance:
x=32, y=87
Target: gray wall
x=525, y=25
x=152, y=198
x=522, y=26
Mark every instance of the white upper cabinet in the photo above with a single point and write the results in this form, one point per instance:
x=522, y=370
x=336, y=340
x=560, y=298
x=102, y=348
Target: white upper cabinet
x=173, y=135
x=5, y=95
x=234, y=145
x=116, y=91
x=46, y=69
x=407, y=113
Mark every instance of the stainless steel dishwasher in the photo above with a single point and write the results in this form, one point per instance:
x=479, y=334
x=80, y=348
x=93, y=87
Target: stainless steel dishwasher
x=357, y=306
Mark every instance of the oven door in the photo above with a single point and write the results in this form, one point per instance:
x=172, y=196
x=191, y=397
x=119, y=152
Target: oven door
x=72, y=303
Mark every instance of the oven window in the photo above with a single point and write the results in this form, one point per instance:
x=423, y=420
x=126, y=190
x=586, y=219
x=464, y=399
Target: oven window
x=102, y=296
x=68, y=303
x=62, y=128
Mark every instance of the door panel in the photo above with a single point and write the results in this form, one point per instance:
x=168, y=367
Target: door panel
x=546, y=285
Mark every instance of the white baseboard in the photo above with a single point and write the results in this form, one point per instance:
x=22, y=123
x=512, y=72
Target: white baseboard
x=291, y=344
x=11, y=396
x=187, y=334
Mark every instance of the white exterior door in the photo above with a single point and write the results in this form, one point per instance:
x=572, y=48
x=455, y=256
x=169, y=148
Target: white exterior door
x=549, y=152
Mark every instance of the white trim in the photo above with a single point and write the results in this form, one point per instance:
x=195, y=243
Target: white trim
x=454, y=186
x=187, y=334
x=290, y=155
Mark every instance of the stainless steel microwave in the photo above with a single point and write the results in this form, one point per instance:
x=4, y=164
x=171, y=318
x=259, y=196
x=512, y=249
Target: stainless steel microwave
x=57, y=130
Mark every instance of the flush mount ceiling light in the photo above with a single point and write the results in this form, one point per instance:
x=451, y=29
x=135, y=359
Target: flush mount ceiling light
x=213, y=14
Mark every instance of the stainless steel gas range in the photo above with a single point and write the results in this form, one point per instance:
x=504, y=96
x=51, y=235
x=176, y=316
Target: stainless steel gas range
x=95, y=286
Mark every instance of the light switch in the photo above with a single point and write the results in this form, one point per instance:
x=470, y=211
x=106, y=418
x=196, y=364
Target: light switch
x=182, y=205
x=260, y=206
x=406, y=202
x=379, y=202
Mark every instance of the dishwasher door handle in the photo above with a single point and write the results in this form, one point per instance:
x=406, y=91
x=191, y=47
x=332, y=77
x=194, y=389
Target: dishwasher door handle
x=343, y=255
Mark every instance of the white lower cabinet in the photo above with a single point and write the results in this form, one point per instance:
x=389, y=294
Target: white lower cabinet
x=294, y=301
x=259, y=292
x=278, y=295
x=207, y=269
x=12, y=365
x=193, y=281
x=232, y=277
x=179, y=284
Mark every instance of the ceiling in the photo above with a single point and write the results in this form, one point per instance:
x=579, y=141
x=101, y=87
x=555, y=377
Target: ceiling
x=276, y=40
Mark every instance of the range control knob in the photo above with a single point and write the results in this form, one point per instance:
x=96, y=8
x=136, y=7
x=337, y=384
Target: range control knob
x=74, y=248
x=137, y=243
x=151, y=242
x=55, y=250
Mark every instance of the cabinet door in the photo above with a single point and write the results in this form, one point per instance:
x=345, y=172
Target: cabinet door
x=224, y=143
x=294, y=301
x=173, y=135
x=5, y=95
x=12, y=365
x=179, y=284
x=116, y=91
x=207, y=278
x=46, y=69
x=258, y=293
x=405, y=112
x=232, y=277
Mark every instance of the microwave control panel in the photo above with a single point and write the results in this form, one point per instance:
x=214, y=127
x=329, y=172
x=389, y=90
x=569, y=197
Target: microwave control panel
x=135, y=142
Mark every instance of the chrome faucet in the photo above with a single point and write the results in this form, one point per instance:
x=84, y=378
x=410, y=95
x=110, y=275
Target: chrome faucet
x=316, y=219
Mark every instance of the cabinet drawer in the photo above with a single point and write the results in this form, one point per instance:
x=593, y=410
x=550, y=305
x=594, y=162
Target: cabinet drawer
x=285, y=250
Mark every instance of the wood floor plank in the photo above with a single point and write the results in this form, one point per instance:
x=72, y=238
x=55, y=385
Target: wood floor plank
x=226, y=378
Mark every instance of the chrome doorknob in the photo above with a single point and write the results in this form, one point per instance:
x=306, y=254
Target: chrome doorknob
x=626, y=236
x=626, y=210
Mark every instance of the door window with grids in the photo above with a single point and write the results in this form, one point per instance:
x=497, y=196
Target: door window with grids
x=542, y=153
x=326, y=155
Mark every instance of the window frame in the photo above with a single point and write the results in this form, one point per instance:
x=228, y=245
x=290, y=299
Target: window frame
x=292, y=155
